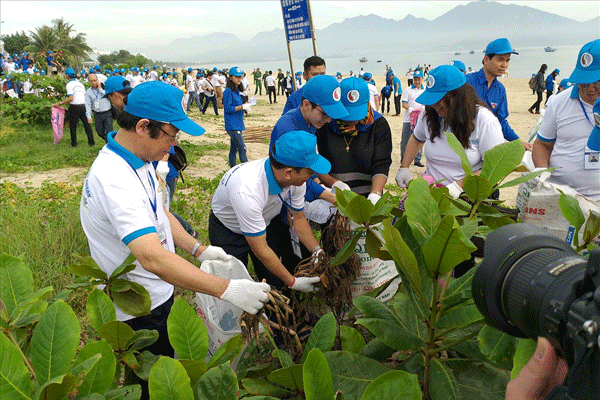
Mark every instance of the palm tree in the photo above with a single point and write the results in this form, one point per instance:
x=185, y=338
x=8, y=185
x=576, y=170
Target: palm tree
x=43, y=39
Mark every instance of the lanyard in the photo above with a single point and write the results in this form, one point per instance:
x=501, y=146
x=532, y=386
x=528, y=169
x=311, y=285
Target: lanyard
x=151, y=180
x=288, y=206
x=585, y=112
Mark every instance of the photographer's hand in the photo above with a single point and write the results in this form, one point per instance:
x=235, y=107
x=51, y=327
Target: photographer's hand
x=539, y=376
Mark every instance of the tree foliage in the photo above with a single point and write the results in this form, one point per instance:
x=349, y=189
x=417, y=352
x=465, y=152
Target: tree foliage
x=123, y=57
x=16, y=42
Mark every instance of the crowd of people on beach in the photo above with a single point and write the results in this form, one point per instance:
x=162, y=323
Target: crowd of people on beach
x=332, y=135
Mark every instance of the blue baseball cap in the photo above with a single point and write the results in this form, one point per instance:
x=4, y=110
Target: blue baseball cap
x=367, y=75
x=594, y=140
x=459, y=64
x=160, y=101
x=299, y=149
x=440, y=81
x=324, y=90
x=587, y=69
x=355, y=98
x=499, y=46
x=557, y=71
x=70, y=72
x=114, y=84
x=50, y=52
x=190, y=69
x=236, y=71
x=43, y=72
x=92, y=70
x=418, y=73
x=565, y=83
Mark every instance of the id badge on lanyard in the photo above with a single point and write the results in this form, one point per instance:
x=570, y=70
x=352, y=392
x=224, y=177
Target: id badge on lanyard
x=591, y=158
x=293, y=234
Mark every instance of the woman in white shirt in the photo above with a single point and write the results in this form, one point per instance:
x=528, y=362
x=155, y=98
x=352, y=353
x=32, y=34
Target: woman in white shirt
x=450, y=105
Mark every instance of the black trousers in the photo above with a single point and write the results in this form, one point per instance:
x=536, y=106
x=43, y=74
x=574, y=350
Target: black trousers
x=548, y=94
x=537, y=103
x=213, y=100
x=103, y=121
x=397, y=105
x=77, y=112
x=271, y=89
x=383, y=101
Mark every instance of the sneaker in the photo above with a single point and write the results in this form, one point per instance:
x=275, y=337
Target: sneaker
x=418, y=164
x=530, y=110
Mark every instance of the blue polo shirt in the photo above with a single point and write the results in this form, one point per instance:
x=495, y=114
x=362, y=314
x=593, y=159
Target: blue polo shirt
x=294, y=121
x=234, y=120
x=293, y=101
x=550, y=83
x=50, y=60
x=495, y=97
x=397, y=86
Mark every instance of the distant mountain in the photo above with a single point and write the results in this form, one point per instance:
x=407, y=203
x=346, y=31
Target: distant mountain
x=464, y=27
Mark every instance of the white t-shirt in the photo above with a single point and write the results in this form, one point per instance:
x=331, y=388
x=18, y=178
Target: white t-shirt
x=208, y=88
x=245, y=201
x=409, y=74
x=443, y=162
x=101, y=78
x=270, y=80
x=373, y=92
x=136, y=80
x=409, y=96
x=566, y=125
x=153, y=75
x=189, y=83
x=215, y=80
x=116, y=208
x=77, y=90
x=27, y=87
x=222, y=80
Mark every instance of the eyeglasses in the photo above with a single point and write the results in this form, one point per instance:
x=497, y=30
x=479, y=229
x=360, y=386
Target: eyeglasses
x=175, y=137
x=324, y=115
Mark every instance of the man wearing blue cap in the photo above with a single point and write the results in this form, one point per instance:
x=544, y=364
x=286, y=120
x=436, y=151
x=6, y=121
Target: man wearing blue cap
x=460, y=65
x=249, y=199
x=121, y=213
x=116, y=89
x=76, y=101
x=490, y=89
x=562, y=140
x=313, y=66
x=190, y=87
x=368, y=77
x=550, y=80
x=96, y=101
x=409, y=104
x=397, y=86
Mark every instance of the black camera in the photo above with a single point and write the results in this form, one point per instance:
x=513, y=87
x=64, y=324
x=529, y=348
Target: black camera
x=532, y=284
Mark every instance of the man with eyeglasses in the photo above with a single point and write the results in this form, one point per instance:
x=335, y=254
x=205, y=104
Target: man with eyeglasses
x=561, y=141
x=122, y=213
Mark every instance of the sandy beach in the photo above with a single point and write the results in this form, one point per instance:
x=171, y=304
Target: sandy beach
x=266, y=115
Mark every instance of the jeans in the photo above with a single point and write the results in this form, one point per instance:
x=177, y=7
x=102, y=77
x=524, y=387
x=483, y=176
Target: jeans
x=237, y=145
x=213, y=100
x=406, y=134
x=193, y=96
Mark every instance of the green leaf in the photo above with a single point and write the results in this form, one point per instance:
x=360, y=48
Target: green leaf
x=359, y=210
x=523, y=179
x=496, y=345
x=131, y=297
x=141, y=339
x=460, y=317
x=459, y=291
x=219, y=383
x=318, y=384
x=592, y=226
x=290, y=377
x=382, y=322
x=372, y=244
x=54, y=342
x=410, y=320
x=346, y=251
x=100, y=377
x=33, y=304
x=404, y=259
x=447, y=247
x=352, y=373
x=352, y=340
x=469, y=228
x=169, y=381
x=260, y=386
x=442, y=382
x=227, y=352
x=14, y=376
x=126, y=266
x=569, y=207
x=501, y=160
x=482, y=382
x=323, y=335
x=460, y=150
x=17, y=281
x=117, y=334
x=143, y=363
x=525, y=350
x=187, y=332
x=57, y=387
x=124, y=393
x=477, y=188
x=100, y=309
x=421, y=209
x=86, y=266
x=284, y=358
x=195, y=369
x=377, y=350
x=394, y=385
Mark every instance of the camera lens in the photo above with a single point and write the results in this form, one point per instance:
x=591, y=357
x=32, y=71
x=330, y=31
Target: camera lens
x=527, y=281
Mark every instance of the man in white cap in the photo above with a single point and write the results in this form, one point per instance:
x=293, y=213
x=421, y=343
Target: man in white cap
x=561, y=141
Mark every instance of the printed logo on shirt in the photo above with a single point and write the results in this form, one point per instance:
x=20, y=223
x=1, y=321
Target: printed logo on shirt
x=353, y=96
x=337, y=94
x=493, y=105
x=586, y=60
x=430, y=82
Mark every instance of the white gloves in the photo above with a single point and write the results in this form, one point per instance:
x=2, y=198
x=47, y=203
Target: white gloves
x=214, y=253
x=306, y=284
x=373, y=198
x=454, y=189
x=246, y=107
x=162, y=170
x=402, y=177
x=315, y=254
x=410, y=109
x=339, y=185
x=248, y=295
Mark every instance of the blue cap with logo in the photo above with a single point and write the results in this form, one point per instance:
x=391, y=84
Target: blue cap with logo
x=355, y=98
x=587, y=69
x=299, y=149
x=499, y=46
x=160, y=101
x=70, y=72
x=324, y=90
x=565, y=83
x=594, y=140
x=459, y=64
x=440, y=81
x=418, y=73
x=114, y=84
x=236, y=71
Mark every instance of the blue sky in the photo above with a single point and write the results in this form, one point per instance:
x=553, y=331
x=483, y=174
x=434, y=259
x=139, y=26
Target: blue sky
x=114, y=25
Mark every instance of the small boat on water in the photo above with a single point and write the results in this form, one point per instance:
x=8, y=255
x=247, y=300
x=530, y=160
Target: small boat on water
x=457, y=53
x=471, y=51
x=549, y=49
x=363, y=59
x=378, y=60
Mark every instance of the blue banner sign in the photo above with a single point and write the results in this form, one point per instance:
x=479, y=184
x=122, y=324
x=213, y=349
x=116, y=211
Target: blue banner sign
x=296, y=19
